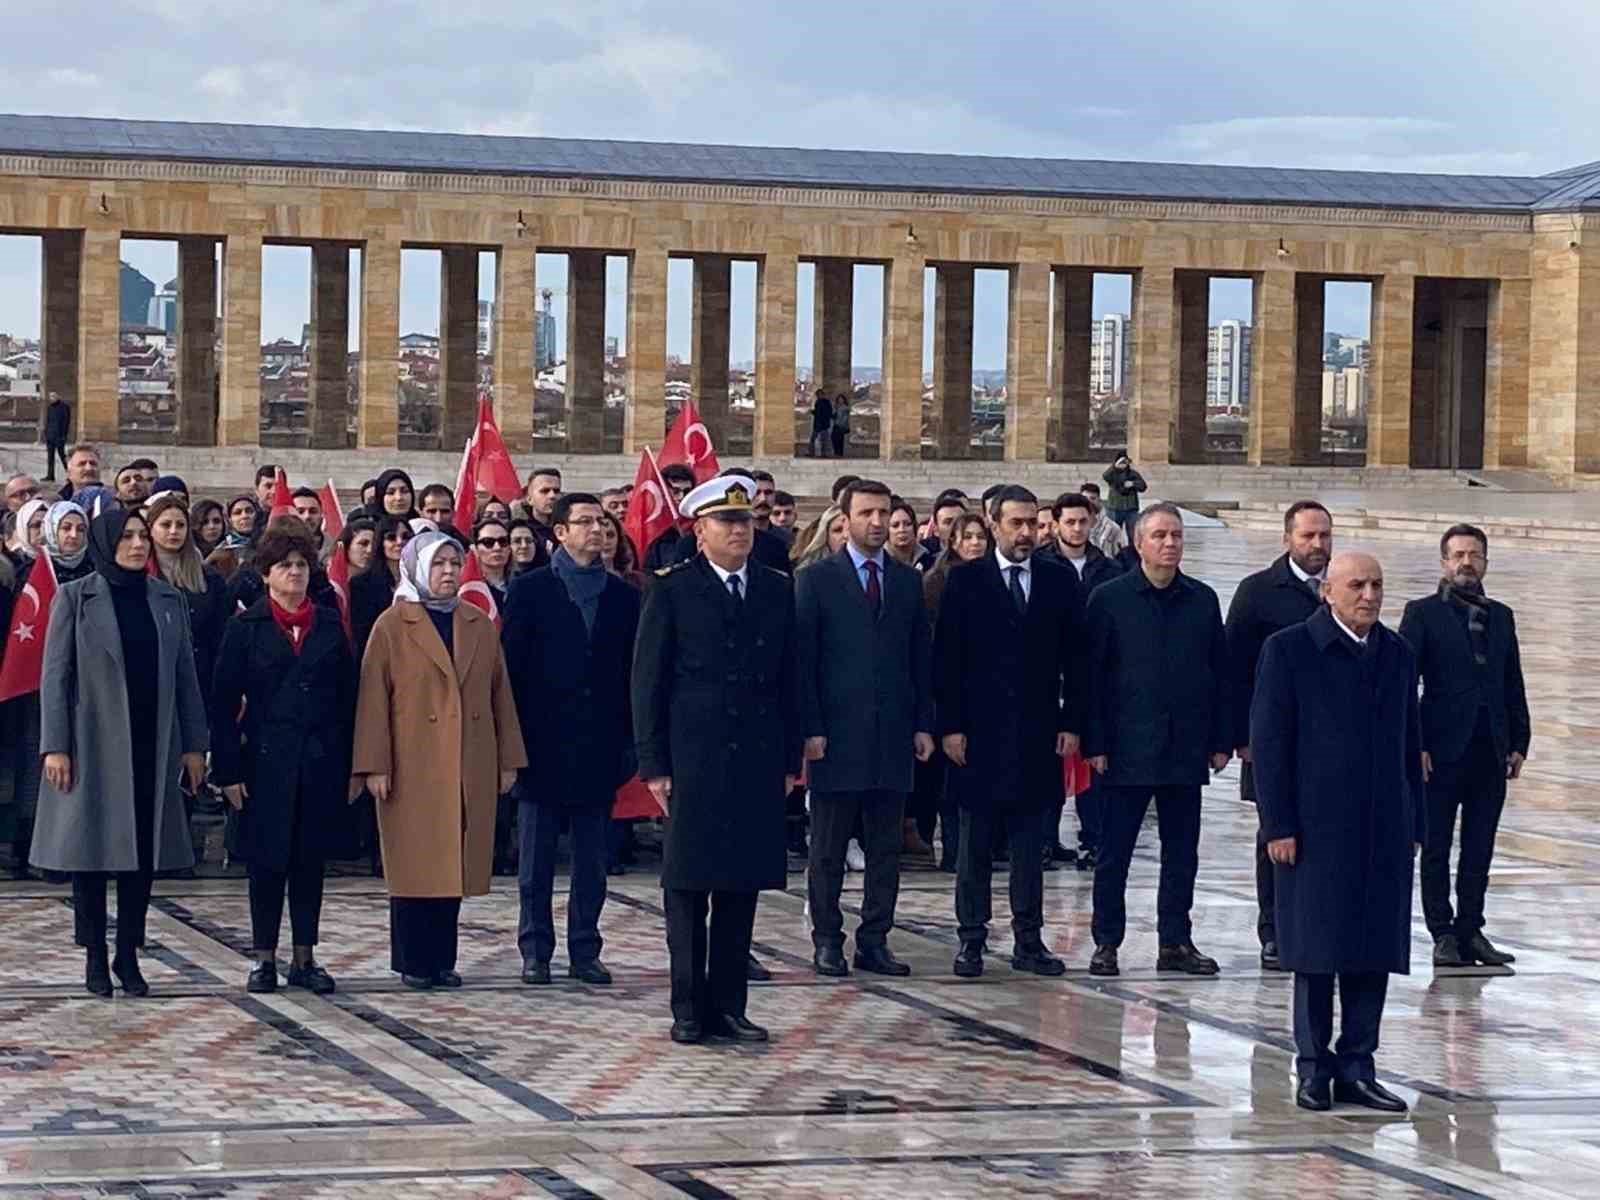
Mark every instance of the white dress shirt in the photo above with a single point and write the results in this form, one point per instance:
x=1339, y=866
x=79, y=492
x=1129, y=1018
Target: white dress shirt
x=743, y=574
x=1360, y=641
x=860, y=560
x=1303, y=577
x=1025, y=566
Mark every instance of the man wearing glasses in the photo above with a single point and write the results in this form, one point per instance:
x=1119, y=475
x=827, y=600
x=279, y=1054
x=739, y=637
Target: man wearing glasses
x=19, y=490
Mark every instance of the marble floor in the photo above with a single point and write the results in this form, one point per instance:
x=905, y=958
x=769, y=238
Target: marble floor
x=925, y=1087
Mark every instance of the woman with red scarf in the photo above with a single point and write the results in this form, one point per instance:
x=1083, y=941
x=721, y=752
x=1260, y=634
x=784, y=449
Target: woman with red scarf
x=282, y=715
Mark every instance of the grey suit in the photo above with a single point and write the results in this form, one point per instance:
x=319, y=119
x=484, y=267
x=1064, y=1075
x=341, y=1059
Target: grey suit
x=84, y=713
x=866, y=686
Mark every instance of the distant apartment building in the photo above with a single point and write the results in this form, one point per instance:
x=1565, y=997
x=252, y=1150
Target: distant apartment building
x=544, y=333
x=1344, y=394
x=1228, y=368
x=135, y=292
x=163, y=309
x=1110, y=347
x=485, y=326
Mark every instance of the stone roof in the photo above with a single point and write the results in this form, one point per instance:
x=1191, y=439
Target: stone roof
x=872, y=170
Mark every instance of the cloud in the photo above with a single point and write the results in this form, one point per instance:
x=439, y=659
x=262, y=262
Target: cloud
x=224, y=83
x=71, y=77
x=1375, y=143
x=1323, y=130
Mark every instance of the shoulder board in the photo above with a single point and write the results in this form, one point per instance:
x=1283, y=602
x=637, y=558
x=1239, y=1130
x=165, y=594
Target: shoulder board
x=674, y=568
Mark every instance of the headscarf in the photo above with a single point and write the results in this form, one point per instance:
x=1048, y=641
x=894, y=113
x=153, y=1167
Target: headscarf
x=58, y=512
x=105, y=531
x=383, y=483
x=231, y=537
x=25, y=515
x=416, y=564
x=95, y=499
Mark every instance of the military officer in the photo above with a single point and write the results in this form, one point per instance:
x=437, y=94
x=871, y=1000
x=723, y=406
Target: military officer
x=716, y=717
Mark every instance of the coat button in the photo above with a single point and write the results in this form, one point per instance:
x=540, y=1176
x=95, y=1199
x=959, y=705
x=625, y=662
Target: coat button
x=432, y=717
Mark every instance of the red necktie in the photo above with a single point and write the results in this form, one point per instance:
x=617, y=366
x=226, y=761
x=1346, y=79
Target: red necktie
x=874, y=591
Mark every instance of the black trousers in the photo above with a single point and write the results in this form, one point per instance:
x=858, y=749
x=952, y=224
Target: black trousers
x=303, y=883
x=539, y=829
x=1361, y=996
x=1266, y=891
x=1476, y=785
x=422, y=934
x=834, y=817
x=922, y=805
x=89, y=907
x=708, y=965
x=1178, y=819
x=52, y=452
x=975, y=868
x=1089, y=803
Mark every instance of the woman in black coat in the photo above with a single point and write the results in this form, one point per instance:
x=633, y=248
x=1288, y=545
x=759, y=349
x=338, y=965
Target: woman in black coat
x=395, y=496
x=178, y=561
x=372, y=591
x=283, y=712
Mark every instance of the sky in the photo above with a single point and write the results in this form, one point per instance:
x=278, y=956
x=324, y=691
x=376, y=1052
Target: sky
x=1471, y=86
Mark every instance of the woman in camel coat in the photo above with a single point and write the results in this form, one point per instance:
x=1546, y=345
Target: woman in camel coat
x=436, y=743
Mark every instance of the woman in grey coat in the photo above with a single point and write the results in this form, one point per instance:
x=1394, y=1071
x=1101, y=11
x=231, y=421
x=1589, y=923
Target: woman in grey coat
x=121, y=718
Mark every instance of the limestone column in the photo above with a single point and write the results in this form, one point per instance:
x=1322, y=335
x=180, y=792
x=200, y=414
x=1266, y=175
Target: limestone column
x=61, y=274
x=900, y=425
x=952, y=361
x=1505, y=435
x=1305, y=426
x=197, y=342
x=1073, y=341
x=708, y=346
x=99, y=334
x=514, y=292
x=458, y=345
x=239, y=423
x=644, y=421
x=833, y=325
x=328, y=351
x=1389, y=380
x=773, y=433
x=586, y=351
x=1192, y=315
x=378, y=420
x=1027, y=347
x=1150, y=408
x=1272, y=345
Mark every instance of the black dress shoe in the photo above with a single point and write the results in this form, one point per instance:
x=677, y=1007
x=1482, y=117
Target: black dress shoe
x=1483, y=950
x=829, y=961
x=687, y=1033
x=1104, y=961
x=1269, y=957
x=1184, y=957
x=1368, y=1093
x=1313, y=1094
x=96, y=973
x=447, y=979
x=535, y=973
x=312, y=977
x=880, y=961
x=125, y=966
x=1063, y=854
x=969, y=960
x=418, y=983
x=754, y=971
x=1037, y=960
x=263, y=979
x=735, y=1028
x=1447, y=952
x=591, y=970
x=1086, y=859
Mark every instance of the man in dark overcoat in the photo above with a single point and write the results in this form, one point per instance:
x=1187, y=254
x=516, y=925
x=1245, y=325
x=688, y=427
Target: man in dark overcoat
x=1159, y=662
x=1475, y=735
x=1284, y=594
x=716, y=721
x=1010, y=699
x=568, y=635
x=1338, y=765
x=866, y=708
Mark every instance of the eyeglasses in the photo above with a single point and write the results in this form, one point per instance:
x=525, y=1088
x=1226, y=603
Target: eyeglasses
x=22, y=494
x=494, y=543
x=584, y=522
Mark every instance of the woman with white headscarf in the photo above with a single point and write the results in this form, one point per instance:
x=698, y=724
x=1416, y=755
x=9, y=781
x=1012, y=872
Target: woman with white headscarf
x=436, y=743
x=27, y=533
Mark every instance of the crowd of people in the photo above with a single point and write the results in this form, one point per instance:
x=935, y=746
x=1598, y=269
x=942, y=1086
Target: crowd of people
x=857, y=690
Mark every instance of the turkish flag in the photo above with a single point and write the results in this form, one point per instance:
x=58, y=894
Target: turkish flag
x=1075, y=774
x=332, y=513
x=633, y=801
x=486, y=466
x=282, y=501
x=689, y=443
x=475, y=588
x=651, y=511
x=339, y=580
x=24, y=648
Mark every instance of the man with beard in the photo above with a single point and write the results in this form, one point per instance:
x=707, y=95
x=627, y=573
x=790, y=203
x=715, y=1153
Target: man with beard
x=1475, y=734
x=1284, y=594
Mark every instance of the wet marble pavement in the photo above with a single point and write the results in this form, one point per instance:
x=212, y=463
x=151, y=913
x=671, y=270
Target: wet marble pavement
x=1143, y=1085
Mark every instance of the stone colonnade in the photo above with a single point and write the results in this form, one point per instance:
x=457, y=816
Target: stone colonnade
x=1490, y=320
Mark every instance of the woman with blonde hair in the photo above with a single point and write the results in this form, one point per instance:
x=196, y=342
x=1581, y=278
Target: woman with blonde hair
x=822, y=537
x=179, y=562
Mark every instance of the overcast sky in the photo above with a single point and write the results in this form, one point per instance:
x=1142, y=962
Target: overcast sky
x=1477, y=86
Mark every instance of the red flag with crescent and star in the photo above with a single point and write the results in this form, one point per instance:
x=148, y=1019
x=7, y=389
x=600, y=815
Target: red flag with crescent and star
x=24, y=650
x=475, y=588
x=651, y=511
x=339, y=581
x=689, y=443
x=282, y=498
x=332, y=514
x=486, y=467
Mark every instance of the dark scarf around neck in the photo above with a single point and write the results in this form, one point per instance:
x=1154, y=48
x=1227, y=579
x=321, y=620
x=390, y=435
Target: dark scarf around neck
x=583, y=584
x=1475, y=604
